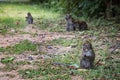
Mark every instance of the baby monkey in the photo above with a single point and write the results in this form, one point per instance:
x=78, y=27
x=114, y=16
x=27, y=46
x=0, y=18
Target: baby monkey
x=29, y=18
x=88, y=56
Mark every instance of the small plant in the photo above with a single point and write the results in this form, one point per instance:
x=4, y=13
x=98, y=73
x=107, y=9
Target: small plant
x=7, y=60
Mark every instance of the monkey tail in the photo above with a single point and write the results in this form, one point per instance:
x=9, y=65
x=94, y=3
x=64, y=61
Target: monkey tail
x=65, y=65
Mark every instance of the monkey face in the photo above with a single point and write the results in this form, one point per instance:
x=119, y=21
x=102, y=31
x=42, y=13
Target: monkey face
x=87, y=46
x=28, y=14
x=68, y=16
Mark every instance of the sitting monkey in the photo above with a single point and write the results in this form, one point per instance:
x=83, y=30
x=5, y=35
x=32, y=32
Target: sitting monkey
x=88, y=56
x=29, y=18
x=72, y=24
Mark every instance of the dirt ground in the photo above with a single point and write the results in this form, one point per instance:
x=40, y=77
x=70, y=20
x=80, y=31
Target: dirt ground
x=41, y=36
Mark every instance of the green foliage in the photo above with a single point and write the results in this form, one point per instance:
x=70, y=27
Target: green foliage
x=86, y=8
x=52, y=4
x=90, y=8
x=39, y=1
x=21, y=47
x=7, y=60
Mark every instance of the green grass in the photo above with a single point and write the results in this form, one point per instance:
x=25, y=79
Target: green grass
x=7, y=60
x=61, y=42
x=108, y=72
x=21, y=10
x=21, y=63
x=52, y=25
x=21, y=47
x=10, y=13
x=62, y=77
x=3, y=29
x=46, y=70
x=45, y=73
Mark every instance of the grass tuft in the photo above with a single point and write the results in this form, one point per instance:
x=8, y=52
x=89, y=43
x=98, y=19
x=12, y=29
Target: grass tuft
x=22, y=47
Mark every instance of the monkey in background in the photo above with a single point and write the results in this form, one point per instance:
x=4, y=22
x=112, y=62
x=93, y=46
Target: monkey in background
x=88, y=56
x=82, y=25
x=72, y=24
x=29, y=18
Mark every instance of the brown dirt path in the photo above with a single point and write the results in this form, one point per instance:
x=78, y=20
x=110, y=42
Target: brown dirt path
x=30, y=30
